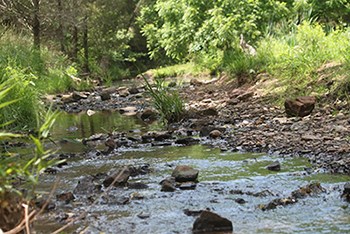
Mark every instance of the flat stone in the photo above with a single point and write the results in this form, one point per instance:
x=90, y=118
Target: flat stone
x=211, y=222
x=185, y=173
x=275, y=166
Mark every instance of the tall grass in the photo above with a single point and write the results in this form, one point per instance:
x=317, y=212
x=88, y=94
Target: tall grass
x=168, y=103
x=32, y=74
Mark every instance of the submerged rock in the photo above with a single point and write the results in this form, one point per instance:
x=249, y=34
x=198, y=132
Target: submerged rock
x=211, y=222
x=185, y=173
x=87, y=186
x=275, y=166
x=278, y=202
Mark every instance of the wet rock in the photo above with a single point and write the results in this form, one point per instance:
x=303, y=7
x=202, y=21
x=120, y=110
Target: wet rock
x=192, y=212
x=275, y=166
x=137, y=185
x=346, y=192
x=168, y=185
x=128, y=110
x=77, y=96
x=187, y=141
x=105, y=96
x=240, y=201
x=163, y=136
x=120, y=177
x=140, y=170
x=133, y=90
x=45, y=204
x=149, y=115
x=188, y=186
x=211, y=222
x=308, y=190
x=278, y=202
x=67, y=98
x=87, y=186
x=215, y=134
x=143, y=215
x=206, y=130
x=300, y=107
x=185, y=173
x=65, y=197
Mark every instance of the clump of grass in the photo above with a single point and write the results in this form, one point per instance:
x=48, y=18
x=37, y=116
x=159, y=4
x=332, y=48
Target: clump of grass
x=168, y=103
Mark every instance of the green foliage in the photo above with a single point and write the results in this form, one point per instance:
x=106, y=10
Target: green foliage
x=169, y=104
x=30, y=73
x=14, y=168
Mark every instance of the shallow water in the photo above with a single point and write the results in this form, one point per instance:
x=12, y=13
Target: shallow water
x=219, y=174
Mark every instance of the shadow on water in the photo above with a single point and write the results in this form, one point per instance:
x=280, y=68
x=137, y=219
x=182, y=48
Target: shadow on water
x=220, y=173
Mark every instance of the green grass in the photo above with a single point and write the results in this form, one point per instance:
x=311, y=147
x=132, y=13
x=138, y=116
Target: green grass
x=32, y=74
x=177, y=70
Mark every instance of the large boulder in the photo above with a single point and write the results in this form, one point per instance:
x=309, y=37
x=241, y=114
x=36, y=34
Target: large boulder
x=209, y=222
x=300, y=107
x=185, y=173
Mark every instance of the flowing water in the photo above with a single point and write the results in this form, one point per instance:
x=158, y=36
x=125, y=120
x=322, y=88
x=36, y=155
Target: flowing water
x=220, y=174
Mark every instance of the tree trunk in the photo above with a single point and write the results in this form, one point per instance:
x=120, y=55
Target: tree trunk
x=60, y=25
x=36, y=23
x=86, y=46
x=75, y=44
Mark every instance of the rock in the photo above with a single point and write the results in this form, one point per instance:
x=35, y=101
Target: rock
x=308, y=190
x=215, y=134
x=211, y=111
x=120, y=177
x=185, y=173
x=240, y=201
x=195, y=82
x=192, y=212
x=123, y=93
x=346, y=192
x=77, y=96
x=67, y=98
x=206, y=130
x=211, y=222
x=187, y=141
x=278, y=202
x=105, y=96
x=275, y=166
x=149, y=115
x=300, y=107
x=133, y=90
x=245, y=96
x=87, y=186
x=128, y=109
x=188, y=186
x=143, y=215
x=168, y=185
x=65, y=197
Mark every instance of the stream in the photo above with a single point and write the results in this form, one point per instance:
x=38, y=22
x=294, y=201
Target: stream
x=145, y=209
